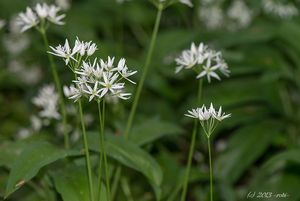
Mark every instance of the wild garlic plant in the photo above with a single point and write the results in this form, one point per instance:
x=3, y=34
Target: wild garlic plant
x=40, y=17
x=96, y=81
x=207, y=63
x=209, y=119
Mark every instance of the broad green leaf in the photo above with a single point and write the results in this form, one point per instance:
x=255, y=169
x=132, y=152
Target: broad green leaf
x=276, y=162
x=246, y=145
x=9, y=151
x=130, y=155
x=72, y=184
x=31, y=160
x=151, y=130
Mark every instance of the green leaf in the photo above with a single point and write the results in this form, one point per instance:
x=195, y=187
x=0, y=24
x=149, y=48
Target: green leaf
x=246, y=145
x=31, y=160
x=130, y=155
x=9, y=151
x=276, y=162
x=72, y=184
x=151, y=130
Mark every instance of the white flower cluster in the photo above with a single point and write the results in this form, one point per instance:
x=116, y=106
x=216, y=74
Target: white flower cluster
x=79, y=50
x=100, y=79
x=39, y=16
x=283, y=10
x=240, y=13
x=47, y=100
x=207, y=117
x=205, y=61
x=214, y=16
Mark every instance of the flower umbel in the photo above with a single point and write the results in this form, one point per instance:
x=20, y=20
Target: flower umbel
x=205, y=61
x=208, y=117
x=39, y=16
x=80, y=49
x=100, y=79
x=47, y=100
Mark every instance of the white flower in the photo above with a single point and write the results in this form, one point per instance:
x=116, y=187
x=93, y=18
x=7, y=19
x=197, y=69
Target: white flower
x=220, y=116
x=123, y=70
x=205, y=61
x=53, y=15
x=28, y=19
x=91, y=48
x=42, y=10
x=72, y=92
x=40, y=13
x=23, y=133
x=36, y=123
x=83, y=48
x=80, y=49
x=64, y=52
x=194, y=113
x=186, y=2
x=16, y=43
x=207, y=117
x=109, y=83
x=209, y=71
x=92, y=92
x=64, y=4
x=109, y=64
x=47, y=100
x=101, y=79
x=186, y=60
x=204, y=114
x=240, y=12
x=212, y=16
x=280, y=9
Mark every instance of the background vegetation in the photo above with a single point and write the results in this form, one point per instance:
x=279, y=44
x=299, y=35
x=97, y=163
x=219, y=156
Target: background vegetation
x=257, y=150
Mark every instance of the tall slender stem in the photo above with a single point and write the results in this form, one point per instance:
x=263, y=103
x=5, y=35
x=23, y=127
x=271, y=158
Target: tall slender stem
x=58, y=88
x=103, y=150
x=115, y=182
x=138, y=92
x=87, y=153
x=192, y=146
x=210, y=170
x=145, y=71
x=101, y=153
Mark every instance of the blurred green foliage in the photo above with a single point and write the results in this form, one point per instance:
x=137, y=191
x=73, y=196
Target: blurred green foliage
x=257, y=150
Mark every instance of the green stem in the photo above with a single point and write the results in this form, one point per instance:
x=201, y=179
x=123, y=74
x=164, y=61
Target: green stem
x=210, y=170
x=144, y=73
x=115, y=182
x=58, y=88
x=103, y=150
x=126, y=189
x=139, y=90
x=87, y=154
x=192, y=146
x=100, y=175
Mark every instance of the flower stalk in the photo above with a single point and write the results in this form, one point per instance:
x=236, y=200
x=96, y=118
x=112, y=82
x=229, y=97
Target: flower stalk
x=210, y=170
x=87, y=154
x=58, y=88
x=101, y=113
x=192, y=145
x=145, y=71
x=138, y=92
